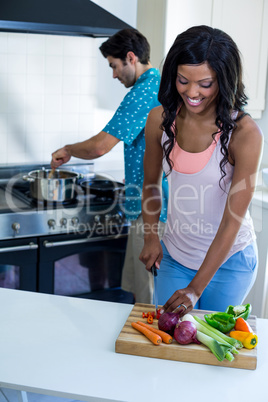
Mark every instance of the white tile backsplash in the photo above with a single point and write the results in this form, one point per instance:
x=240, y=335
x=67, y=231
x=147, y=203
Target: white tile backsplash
x=3, y=43
x=71, y=65
x=53, y=65
x=17, y=44
x=35, y=64
x=3, y=104
x=36, y=44
x=48, y=97
x=3, y=83
x=3, y=64
x=35, y=84
x=54, y=45
x=16, y=63
x=16, y=84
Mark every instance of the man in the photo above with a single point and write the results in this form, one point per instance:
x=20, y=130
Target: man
x=128, y=54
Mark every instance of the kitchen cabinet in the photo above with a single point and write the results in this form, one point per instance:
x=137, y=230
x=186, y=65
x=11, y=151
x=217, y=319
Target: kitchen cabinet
x=246, y=21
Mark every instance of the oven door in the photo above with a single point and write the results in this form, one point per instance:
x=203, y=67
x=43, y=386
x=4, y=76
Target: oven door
x=74, y=265
x=18, y=264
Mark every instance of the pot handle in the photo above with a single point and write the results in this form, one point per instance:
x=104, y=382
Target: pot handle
x=27, y=178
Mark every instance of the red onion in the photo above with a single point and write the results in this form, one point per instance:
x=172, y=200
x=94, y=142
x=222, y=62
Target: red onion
x=168, y=321
x=185, y=332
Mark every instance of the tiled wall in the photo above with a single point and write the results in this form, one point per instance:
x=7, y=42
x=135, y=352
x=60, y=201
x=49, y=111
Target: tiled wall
x=47, y=96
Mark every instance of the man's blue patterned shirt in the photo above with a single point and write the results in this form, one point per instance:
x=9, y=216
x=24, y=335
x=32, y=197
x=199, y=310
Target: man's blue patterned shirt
x=128, y=125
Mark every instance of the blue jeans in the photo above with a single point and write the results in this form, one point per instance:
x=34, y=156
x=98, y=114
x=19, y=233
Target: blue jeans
x=229, y=286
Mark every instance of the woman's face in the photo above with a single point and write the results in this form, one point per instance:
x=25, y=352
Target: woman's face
x=198, y=86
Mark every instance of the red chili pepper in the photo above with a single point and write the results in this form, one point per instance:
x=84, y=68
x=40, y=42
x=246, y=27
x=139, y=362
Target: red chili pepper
x=150, y=319
x=152, y=313
x=158, y=314
x=144, y=315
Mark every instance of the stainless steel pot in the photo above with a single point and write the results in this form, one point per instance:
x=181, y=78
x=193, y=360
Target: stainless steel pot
x=60, y=187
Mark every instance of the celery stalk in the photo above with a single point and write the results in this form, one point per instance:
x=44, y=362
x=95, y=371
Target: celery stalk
x=203, y=328
x=229, y=356
x=218, y=346
x=235, y=343
x=218, y=349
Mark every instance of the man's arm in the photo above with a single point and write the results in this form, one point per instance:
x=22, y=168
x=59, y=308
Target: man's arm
x=92, y=148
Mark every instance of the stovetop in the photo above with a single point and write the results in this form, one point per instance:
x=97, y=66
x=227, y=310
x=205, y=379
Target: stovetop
x=18, y=197
x=23, y=216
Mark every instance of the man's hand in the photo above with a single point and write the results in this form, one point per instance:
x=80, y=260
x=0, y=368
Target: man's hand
x=60, y=157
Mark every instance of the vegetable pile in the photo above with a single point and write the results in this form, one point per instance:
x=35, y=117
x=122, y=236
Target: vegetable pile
x=212, y=331
x=224, y=333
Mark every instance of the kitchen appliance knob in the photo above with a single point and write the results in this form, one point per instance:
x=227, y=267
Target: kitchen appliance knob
x=118, y=217
x=51, y=223
x=63, y=222
x=97, y=218
x=16, y=227
x=108, y=217
x=74, y=221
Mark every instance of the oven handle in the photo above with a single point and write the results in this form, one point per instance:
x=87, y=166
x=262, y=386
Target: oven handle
x=80, y=241
x=30, y=246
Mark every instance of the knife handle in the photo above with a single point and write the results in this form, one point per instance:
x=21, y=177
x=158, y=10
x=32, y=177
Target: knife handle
x=154, y=270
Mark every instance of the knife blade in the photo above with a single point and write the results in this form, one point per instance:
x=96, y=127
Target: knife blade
x=154, y=272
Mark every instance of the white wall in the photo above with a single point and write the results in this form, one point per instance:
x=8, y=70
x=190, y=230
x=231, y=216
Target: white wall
x=54, y=90
x=47, y=94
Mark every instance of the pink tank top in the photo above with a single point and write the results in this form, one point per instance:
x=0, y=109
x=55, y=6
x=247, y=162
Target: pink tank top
x=187, y=162
x=195, y=209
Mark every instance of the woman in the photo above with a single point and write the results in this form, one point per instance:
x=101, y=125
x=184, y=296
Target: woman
x=210, y=150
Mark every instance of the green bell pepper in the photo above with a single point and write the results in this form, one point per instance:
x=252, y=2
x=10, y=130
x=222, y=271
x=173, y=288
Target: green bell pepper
x=239, y=311
x=222, y=321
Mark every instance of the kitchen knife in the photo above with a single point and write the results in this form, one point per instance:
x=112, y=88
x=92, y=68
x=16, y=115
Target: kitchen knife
x=154, y=272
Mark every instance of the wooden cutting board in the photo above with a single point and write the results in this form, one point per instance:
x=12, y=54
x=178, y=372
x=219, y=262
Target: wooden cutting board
x=132, y=342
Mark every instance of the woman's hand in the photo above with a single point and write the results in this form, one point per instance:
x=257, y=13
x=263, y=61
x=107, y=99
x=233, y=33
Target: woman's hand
x=186, y=298
x=152, y=252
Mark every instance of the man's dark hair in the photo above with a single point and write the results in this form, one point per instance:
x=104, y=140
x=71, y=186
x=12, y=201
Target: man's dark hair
x=124, y=41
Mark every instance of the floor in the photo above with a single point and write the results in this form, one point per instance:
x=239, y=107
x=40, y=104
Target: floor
x=11, y=395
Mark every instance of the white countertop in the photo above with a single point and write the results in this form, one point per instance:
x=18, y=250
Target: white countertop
x=65, y=347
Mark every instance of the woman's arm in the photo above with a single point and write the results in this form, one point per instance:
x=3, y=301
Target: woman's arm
x=245, y=149
x=151, y=193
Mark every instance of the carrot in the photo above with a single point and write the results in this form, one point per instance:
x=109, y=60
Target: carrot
x=156, y=339
x=242, y=325
x=165, y=337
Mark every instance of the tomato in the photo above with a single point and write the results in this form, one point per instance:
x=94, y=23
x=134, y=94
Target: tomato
x=150, y=319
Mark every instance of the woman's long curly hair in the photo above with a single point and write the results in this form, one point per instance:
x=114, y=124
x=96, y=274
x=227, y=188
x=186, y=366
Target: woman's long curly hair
x=197, y=45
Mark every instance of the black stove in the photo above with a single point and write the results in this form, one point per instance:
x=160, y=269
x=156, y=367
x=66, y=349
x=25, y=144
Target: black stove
x=74, y=248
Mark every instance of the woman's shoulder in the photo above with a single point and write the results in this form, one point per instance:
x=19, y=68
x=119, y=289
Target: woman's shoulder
x=247, y=127
x=155, y=116
x=247, y=135
x=154, y=122
x=156, y=112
